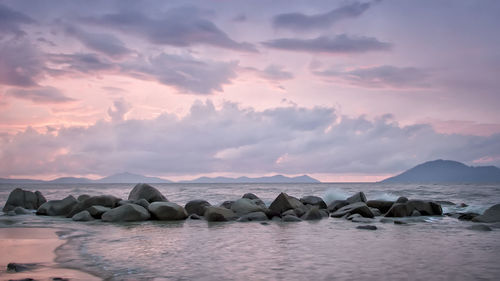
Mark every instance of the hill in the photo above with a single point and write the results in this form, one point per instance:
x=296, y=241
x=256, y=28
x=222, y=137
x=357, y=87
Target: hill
x=271, y=179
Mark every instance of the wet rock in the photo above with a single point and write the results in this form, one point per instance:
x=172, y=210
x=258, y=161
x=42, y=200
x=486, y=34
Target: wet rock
x=129, y=212
x=20, y=267
x=415, y=213
x=219, y=214
x=386, y=220
x=285, y=202
x=479, y=227
x=167, y=211
x=260, y=203
x=60, y=279
x=324, y=213
x=146, y=191
x=398, y=210
x=463, y=205
x=227, y=204
x=82, y=216
x=467, y=216
x=142, y=202
x=359, y=218
x=264, y=223
x=382, y=205
x=82, y=197
x=197, y=207
x=376, y=212
x=367, y=227
x=492, y=214
x=312, y=214
x=101, y=200
x=400, y=222
x=255, y=216
x=358, y=197
x=314, y=201
x=355, y=208
x=57, y=207
x=337, y=204
x=426, y=208
x=97, y=211
x=245, y=206
x=22, y=211
x=250, y=196
x=24, y=198
x=194, y=217
x=445, y=202
x=290, y=218
x=402, y=199
x=272, y=214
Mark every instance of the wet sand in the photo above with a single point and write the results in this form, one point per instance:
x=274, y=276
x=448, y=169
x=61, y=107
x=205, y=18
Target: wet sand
x=34, y=246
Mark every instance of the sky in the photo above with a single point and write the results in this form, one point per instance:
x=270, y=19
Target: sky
x=339, y=90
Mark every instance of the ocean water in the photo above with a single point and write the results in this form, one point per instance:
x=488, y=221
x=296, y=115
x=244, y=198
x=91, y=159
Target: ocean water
x=434, y=248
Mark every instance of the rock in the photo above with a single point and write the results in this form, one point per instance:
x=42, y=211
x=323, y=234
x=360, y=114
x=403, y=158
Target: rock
x=260, y=203
x=129, y=212
x=82, y=216
x=314, y=201
x=24, y=198
x=142, y=202
x=82, y=197
x=250, y=196
x=402, y=199
x=398, y=210
x=285, y=202
x=290, y=218
x=227, y=204
x=426, y=208
x=101, y=200
x=197, y=207
x=245, y=206
x=272, y=214
x=264, y=223
x=255, y=216
x=194, y=217
x=97, y=211
x=337, y=204
x=312, y=214
x=219, y=214
x=467, y=216
x=146, y=191
x=386, y=220
x=400, y=222
x=479, y=227
x=445, y=202
x=22, y=211
x=492, y=214
x=57, y=207
x=20, y=267
x=367, y=227
x=376, y=212
x=359, y=218
x=358, y=197
x=324, y=213
x=415, y=213
x=355, y=208
x=463, y=205
x=168, y=211
x=382, y=205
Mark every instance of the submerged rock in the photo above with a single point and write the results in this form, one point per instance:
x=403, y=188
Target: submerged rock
x=129, y=212
x=367, y=227
x=20, y=267
x=290, y=218
x=24, y=198
x=479, y=227
x=358, y=197
x=219, y=214
x=197, y=207
x=492, y=214
x=355, y=208
x=254, y=216
x=57, y=207
x=314, y=201
x=101, y=200
x=22, y=211
x=285, y=202
x=194, y=217
x=167, y=211
x=146, y=191
x=82, y=216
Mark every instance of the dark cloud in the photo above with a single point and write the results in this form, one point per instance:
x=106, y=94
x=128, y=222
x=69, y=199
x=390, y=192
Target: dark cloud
x=385, y=76
x=106, y=44
x=280, y=140
x=340, y=44
x=86, y=63
x=180, y=27
x=42, y=95
x=11, y=21
x=271, y=73
x=21, y=64
x=299, y=21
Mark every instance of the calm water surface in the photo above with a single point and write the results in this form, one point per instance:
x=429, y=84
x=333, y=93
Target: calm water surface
x=439, y=248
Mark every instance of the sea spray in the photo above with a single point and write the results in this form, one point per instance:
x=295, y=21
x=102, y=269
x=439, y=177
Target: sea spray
x=333, y=194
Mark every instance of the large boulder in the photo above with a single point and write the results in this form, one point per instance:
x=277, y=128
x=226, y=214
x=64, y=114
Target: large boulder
x=382, y=205
x=24, y=198
x=355, y=208
x=314, y=201
x=97, y=211
x=358, y=197
x=57, y=207
x=285, y=202
x=335, y=205
x=492, y=214
x=312, y=214
x=146, y=191
x=167, y=211
x=219, y=214
x=82, y=216
x=129, y=212
x=227, y=204
x=245, y=206
x=197, y=207
x=399, y=210
x=425, y=208
x=255, y=216
x=250, y=196
x=101, y=200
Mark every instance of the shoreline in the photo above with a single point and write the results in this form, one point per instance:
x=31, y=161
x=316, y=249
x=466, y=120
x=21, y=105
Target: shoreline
x=37, y=247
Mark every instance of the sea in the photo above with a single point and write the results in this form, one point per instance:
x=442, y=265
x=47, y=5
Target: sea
x=427, y=248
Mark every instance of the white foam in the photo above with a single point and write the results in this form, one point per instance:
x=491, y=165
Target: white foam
x=333, y=194
x=384, y=196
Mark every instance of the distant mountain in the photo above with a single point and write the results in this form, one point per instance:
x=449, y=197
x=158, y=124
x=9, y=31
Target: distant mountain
x=272, y=179
x=71, y=180
x=447, y=171
x=131, y=178
x=19, y=181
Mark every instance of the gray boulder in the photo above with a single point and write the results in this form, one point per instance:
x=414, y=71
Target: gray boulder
x=382, y=205
x=82, y=197
x=142, y=202
x=425, y=208
x=401, y=199
x=250, y=196
x=167, y=211
x=285, y=202
x=312, y=214
x=197, y=207
x=227, y=204
x=492, y=214
x=194, y=217
x=359, y=218
x=358, y=197
x=97, y=211
x=57, y=207
x=146, y=191
x=355, y=208
x=314, y=201
x=335, y=205
x=290, y=218
x=129, y=212
x=254, y=216
x=24, y=198
x=82, y=216
x=22, y=211
x=245, y=206
x=101, y=200
x=219, y=214
x=376, y=212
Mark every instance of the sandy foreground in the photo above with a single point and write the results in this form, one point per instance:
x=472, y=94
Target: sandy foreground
x=34, y=246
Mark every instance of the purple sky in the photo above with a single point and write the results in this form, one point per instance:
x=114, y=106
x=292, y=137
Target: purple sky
x=340, y=90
